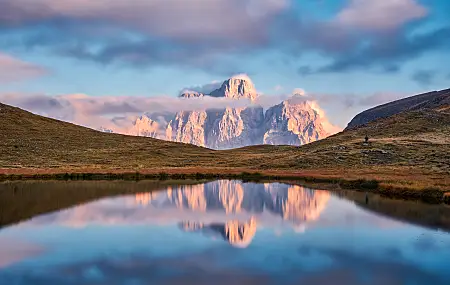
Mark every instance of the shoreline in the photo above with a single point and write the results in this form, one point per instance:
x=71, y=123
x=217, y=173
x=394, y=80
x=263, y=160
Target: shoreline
x=432, y=195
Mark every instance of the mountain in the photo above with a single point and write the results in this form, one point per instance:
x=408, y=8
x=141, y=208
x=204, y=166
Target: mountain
x=188, y=127
x=105, y=130
x=409, y=150
x=145, y=127
x=191, y=94
x=429, y=100
x=290, y=123
x=236, y=88
x=220, y=129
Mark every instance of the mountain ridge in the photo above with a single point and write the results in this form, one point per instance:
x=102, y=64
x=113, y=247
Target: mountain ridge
x=288, y=123
x=428, y=100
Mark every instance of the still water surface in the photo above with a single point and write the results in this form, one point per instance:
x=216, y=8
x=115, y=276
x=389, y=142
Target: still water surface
x=222, y=232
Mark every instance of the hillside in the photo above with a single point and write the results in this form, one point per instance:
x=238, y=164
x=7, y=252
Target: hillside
x=427, y=100
x=410, y=149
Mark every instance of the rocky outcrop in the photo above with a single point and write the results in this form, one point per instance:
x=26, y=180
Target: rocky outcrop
x=188, y=127
x=191, y=94
x=292, y=123
x=236, y=88
x=431, y=100
x=145, y=127
x=234, y=127
x=105, y=130
x=220, y=129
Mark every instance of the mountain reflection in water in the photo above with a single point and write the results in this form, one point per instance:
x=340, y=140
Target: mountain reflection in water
x=221, y=232
x=294, y=204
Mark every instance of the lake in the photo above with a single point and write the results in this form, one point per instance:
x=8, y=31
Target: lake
x=221, y=232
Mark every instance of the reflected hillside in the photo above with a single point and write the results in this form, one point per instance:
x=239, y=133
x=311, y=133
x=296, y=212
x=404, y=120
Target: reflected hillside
x=427, y=215
x=294, y=204
x=23, y=200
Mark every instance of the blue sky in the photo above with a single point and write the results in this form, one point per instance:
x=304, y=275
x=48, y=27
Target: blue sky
x=357, y=49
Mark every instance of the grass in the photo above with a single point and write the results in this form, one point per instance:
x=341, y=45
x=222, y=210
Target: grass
x=406, y=153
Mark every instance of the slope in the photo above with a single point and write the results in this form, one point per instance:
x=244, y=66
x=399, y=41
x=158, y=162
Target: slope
x=421, y=101
x=408, y=150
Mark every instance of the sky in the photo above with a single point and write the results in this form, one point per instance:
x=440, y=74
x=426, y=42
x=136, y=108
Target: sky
x=349, y=55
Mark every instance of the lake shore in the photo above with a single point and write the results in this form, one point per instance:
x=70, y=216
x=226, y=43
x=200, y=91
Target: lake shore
x=399, y=184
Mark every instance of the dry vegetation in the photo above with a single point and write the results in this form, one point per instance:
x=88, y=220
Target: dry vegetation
x=409, y=151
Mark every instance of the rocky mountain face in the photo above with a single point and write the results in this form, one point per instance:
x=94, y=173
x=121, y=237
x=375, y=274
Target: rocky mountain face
x=145, y=127
x=220, y=129
x=431, y=100
x=236, y=88
x=293, y=122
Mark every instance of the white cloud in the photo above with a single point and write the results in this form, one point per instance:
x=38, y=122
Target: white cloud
x=13, y=69
x=380, y=14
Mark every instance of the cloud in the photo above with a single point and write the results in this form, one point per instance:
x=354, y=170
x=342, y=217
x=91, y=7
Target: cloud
x=379, y=98
x=13, y=69
x=174, y=19
x=112, y=112
x=389, y=52
x=139, y=33
x=380, y=15
x=424, y=77
x=203, y=89
x=214, y=35
x=278, y=88
x=119, y=113
x=13, y=251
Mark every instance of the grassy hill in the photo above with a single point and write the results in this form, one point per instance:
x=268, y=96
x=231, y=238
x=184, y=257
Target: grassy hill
x=427, y=100
x=409, y=151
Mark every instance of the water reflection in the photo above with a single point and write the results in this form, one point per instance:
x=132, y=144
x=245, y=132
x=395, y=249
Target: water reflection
x=238, y=234
x=294, y=204
x=222, y=232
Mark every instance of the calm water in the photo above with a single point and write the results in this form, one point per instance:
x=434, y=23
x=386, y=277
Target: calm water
x=223, y=232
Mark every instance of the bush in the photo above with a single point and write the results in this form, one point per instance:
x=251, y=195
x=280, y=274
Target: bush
x=163, y=176
x=369, y=184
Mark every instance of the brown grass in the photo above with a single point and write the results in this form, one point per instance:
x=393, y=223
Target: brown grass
x=406, y=151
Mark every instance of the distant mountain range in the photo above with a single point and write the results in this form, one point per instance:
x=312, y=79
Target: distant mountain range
x=292, y=122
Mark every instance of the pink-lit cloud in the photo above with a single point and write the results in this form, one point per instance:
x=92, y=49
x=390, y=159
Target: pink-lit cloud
x=380, y=15
x=13, y=69
x=119, y=113
x=13, y=251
